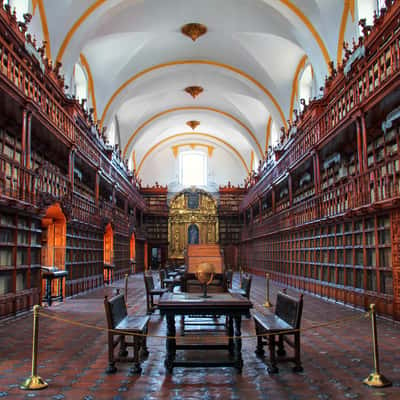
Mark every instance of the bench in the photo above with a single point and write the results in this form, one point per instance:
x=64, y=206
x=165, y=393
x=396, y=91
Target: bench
x=118, y=320
x=284, y=323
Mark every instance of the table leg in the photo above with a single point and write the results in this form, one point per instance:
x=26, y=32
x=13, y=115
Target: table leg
x=170, y=343
x=238, y=343
x=230, y=334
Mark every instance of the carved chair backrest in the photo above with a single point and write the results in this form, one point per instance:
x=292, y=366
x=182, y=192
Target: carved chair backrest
x=115, y=310
x=228, y=277
x=289, y=309
x=149, y=282
x=246, y=284
x=163, y=274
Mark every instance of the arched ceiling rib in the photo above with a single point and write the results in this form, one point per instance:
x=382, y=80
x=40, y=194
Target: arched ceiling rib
x=185, y=138
x=139, y=62
x=194, y=111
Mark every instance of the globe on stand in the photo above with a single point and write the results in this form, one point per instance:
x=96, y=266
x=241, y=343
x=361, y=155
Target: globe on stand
x=205, y=275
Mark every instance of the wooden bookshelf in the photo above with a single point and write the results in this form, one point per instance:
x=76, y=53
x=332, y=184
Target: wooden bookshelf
x=84, y=258
x=19, y=262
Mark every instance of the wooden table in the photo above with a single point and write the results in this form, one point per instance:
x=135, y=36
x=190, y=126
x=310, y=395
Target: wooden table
x=218, y=304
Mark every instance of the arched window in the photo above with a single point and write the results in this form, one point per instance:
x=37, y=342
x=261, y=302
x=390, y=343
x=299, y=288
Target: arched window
x=21, y=7
x=81, y=84
x=366, y=9
x=193, y=168
x=109, y=245
x=111, y=134
x=274, y=135
x=305, y=85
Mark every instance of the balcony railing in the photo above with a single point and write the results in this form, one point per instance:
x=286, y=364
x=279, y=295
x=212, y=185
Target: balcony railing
x=372, y=188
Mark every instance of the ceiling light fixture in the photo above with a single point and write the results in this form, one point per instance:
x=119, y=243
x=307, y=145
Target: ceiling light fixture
x=194, y=91
x=194, y=30
x=193, y=124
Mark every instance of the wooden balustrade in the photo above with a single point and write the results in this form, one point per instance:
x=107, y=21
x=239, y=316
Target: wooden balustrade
x=84, y=190
x=18, y=73
x=378, y=184
x=51, y=180
x=106, y=210
x=84, y=209
x=16, y=181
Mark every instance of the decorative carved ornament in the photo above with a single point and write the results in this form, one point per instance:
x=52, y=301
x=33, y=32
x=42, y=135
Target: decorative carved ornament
x=193, y=124
x=175, y=149
x=194, y=91
x=191, y=207
x=194, y=30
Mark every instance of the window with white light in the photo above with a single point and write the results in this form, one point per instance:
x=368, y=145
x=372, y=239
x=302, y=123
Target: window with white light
x=21, y=7
x=305, y=85
x=81, y=85
x=193, y=168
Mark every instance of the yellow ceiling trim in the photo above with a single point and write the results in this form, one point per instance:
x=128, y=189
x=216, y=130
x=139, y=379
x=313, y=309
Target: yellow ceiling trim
x=348, y=8
x=287, y=3
x=251, y=160
x=45, y=28
x=34, y=5
x=85, y=64
x=191, y=108
x=295, y=84
x=268, y=133
x=134, y=159
x=76, y=26
x=206, y=135
x=310, y=27
x=175, y=149
x=190, y=62
x=352, y=5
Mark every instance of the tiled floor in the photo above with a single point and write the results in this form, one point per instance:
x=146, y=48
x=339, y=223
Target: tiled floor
x=72, y=359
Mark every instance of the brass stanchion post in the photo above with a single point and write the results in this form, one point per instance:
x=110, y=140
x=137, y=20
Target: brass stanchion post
x=126, y=288
x=375, y=379
x=267, y=303
x=34, y=382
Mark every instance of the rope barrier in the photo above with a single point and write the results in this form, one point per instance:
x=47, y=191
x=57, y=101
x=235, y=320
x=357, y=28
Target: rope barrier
x=35, y=382
x=128, y=333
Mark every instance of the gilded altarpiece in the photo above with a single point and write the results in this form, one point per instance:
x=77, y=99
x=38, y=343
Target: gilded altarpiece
x=192, y=219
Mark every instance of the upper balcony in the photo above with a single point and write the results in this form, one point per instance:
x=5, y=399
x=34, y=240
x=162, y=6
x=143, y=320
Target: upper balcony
x=368, y=73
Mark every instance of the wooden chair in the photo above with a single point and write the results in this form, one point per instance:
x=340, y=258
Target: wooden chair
x=228, y=276
x=151, y=292
x=245, y=286
x=165, y=282
x=284, y=323
x=118, y=320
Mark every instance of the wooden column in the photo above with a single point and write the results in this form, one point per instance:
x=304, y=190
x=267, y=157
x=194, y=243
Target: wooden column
x=395, y=233
x=364, y=142
x=316, y=170
x=290, y=190
x=114, y=196
x=273, y=200
x=97, y=188
x=359, y=147
x=24, y=178
x=26, y=138
x=71, y=167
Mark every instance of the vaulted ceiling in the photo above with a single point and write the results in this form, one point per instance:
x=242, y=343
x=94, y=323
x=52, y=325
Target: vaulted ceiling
x=248, y=63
